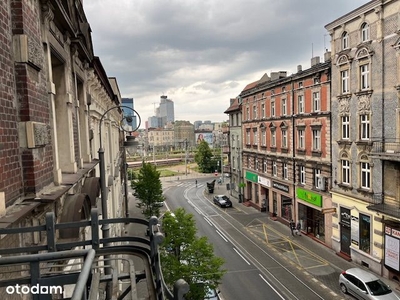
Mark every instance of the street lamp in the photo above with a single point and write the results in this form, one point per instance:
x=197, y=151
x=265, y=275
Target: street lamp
x=103, y=187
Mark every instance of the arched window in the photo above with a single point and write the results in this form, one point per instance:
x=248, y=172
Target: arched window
x=345, y=40
x=365, y=172
x=364, y=32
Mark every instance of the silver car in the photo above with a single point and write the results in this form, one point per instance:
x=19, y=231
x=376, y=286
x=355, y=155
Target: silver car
x=364, y=285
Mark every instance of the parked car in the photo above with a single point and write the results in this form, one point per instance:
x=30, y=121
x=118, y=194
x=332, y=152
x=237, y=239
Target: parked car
x=364, y=285
x=222, y=201
x=158, y=204
x=212, y=294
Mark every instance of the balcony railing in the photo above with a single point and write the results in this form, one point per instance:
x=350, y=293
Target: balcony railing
x=50, y=264
x=385, y=205
x=386, y=149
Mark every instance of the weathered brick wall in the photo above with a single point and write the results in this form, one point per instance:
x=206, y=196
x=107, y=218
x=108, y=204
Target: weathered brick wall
x=33, y=103
x=10, y=176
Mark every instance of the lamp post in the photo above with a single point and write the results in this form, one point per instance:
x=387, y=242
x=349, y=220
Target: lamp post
x=103, y=187
x=186, y=156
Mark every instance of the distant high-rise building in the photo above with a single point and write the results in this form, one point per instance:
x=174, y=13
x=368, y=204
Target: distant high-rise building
x=166, y=110
x=128, y=102
x=153, y=122
x=197, y=124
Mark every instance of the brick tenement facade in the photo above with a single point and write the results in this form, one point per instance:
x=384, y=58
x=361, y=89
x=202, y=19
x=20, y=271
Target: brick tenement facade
x=366, y=144
x=286, y=146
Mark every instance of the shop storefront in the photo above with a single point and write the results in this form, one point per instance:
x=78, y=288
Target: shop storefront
x=281, y=199
x=310, y=214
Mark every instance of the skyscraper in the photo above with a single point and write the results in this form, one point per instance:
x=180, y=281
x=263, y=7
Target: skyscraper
x=129, y=112
x=166, y=110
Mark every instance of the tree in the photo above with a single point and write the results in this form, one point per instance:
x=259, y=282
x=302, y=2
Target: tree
x=148, y=189
x=187, y=256
x=204, y=158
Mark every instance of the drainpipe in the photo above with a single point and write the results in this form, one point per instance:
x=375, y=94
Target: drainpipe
x=293, y=150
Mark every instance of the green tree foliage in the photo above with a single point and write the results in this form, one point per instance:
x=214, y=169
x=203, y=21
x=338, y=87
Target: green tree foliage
x=187, y=256
x=148, y=189
x=204, y=158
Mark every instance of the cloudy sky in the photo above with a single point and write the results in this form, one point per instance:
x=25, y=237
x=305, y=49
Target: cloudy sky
x=202, y=53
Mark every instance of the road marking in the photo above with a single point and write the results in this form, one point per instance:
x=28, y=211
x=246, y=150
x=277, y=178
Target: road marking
x=208, y=221
x=241, y=256
x=222, y=236
x=265, y=280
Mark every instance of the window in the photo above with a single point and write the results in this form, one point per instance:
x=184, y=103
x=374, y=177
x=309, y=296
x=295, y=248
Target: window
x=365, y=175
x=257, y=164
x=301, y=142
x=302, y=174
x=364, y=77
x=284, y=138
x=316, y=139
x=300, y=104
x=265, y=166
x=264, y=138
x=273, y=138
x=263, y=110
x=248, y=137
x=283, y=107
x=364, y=127
x=318, y=179
x=344, y=75
x=345, y=170
x=255, y=133
x=316, y=80
x=248, y=113
x=285, y=171
x=345, y=40
x=365, y=233
x=283, y=89
x=345, y=127
x=254, y=112
x=272, y=108
x=364, y=32
x=274, y=169
x=316, y=101
x=300, y=84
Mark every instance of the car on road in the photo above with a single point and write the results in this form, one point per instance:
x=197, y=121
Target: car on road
x=365, y=285
x=222, y=201
x=212, y=294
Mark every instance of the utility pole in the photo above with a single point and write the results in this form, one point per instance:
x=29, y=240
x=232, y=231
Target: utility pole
x=222, y=164
x=186, y=155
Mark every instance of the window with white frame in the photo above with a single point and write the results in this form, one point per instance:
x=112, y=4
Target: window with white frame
x=302, y=174
x=255, y=133
x=273, y=138
x=284, y=112
x=345, y=165
x=364, y=32
x=285, y=171
x=248, y=137
x=316, y=133
x=300, y=84
x=263, y=110
x=345, y=120
x=300, y=104
x=272, y=108
x=300, y=139
x=254, y=111
x=284, y=138
x=274, y=169
x=316, y=80
x=316, y=101
x=318, y=178
x=365, y=127
x=257, y=164
x=344, y=76
x=364, y=77
x=248, y=113
x=264, y=138
x=265, y=166
x=365, y=169
x=345, y=41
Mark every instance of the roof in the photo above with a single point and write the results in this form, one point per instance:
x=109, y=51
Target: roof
x=235, y=106
x=361, y=274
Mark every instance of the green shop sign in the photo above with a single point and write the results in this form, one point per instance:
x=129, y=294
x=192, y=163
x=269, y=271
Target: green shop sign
x=251, y=176
x=309, y=197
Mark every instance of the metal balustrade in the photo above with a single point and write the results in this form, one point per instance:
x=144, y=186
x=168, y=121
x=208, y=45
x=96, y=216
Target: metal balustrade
x=131, y=259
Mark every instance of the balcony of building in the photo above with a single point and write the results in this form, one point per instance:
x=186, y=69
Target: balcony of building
x=386, y=149
x=386, y=205
x=63, y=267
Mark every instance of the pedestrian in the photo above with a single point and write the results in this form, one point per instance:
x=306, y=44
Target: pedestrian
x=292, y=226
x=196, y=182
x=298, y=228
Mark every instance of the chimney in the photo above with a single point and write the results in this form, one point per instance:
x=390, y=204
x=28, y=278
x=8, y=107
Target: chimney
x=299, y=68
x=327, y=56
x=315, y=61
x=274, y=75
x=282, y=74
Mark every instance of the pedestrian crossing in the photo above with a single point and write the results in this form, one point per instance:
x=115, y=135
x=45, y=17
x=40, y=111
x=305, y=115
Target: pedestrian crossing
x=189, y=184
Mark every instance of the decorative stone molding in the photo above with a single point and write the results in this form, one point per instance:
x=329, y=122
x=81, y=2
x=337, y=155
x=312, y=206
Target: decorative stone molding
x=364, y=104
x=344, y=105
